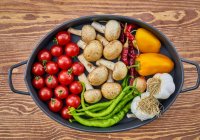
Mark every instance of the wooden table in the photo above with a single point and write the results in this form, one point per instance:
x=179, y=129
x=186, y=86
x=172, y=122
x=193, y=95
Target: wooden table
x=24, y=22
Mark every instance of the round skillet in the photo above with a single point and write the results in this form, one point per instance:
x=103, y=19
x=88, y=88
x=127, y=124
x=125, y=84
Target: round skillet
x=167, y=48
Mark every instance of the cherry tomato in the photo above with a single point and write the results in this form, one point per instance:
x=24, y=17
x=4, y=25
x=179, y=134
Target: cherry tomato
x=72, y=49
x=65, y=113
x=61, y=92
x=38, y=82
x=63, y=38
x=44, y=55
x=64, y=62
x=77, y=68
x=65, y=77
x=38, y=69
x=56, y=50
x=55, y=104
x=51, y=81
x=73, y=101
x=51, y=68
x=75, y=87
x=45, y=94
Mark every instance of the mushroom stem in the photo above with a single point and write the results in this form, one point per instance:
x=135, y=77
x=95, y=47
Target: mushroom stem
x=110, y=65
x=110, y=79
x=74, y=31
x=99, y=27
x=88, y=66
x=84, y=79
x=102, y=39
x=81, y=44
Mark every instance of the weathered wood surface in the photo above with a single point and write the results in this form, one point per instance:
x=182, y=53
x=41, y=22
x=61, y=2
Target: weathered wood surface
x=24, y=22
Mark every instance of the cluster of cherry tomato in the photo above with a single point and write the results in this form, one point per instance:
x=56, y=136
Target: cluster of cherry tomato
x=55, y=80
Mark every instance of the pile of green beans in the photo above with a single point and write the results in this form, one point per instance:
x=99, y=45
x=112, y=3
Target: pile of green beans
x=104, y=114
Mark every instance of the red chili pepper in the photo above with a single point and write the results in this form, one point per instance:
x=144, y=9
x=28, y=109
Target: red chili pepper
x=122, y=35
x=127, y=31
x=124, y=54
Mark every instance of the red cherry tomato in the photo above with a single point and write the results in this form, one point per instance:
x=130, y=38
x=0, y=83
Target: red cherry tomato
x=56, y=50
x=44, y=55
x=65, y=77
x=65, y=113
x=64, y=62
x=72, y=49
x=63, y=38
x=55, y=105
x=77, y=68
x=38, y=82
x=51, y=81
x=45, y=94
x=75, y=87
x=61, y=92
x=38, y=69
x=73, y=101
x=51, y=68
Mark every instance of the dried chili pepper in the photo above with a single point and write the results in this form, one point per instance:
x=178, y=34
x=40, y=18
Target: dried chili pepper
x=124, y=54
x=127, y=31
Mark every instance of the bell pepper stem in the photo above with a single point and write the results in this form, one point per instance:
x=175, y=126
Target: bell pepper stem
x=133, y=66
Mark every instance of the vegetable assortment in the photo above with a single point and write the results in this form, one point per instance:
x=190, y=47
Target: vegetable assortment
x=111, y=53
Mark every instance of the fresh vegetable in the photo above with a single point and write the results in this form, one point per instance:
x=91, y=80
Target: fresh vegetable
x=112, y=29
x=87, y=33
x=152, y=63
x=51, y=81
x=77, y=68
x=63, y=38
x=45, y=94
x=88, y=66
x=55, y=104
x=75, y=87
x=146, y=41
x=38, y=69
x=124, y=54
x=52, y=68
x=56, y=50
x=64, y=62
x=73, y=101
x=145, y=107
x=44, y=55
x=61, y=92
x=65, y=77
x=72, y=49
x=65, y=113
x=119, y=68
x=91, y=95
x=140, y=84
x=161, y=85
x=38, y=82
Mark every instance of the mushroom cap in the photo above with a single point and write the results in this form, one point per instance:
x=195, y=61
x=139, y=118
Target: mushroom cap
x=93, y=51
x=113, y=30
x=98, y=76
x=92, y=96
x=120, y=71
x=88, y=33
x=112, y=50
x=111, y=90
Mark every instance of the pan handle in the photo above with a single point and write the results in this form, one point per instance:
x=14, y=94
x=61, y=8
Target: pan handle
x=10, y=78
x=198, y=75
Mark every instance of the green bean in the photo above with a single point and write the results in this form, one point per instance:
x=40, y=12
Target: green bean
x=102, y=123
x=109, y=109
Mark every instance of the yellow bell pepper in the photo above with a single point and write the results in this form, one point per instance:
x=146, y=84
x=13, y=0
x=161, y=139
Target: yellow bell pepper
x=151, y=63
x=146, y=41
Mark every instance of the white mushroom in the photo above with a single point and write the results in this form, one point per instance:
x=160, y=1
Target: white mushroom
x=110, y=89
x=119, y=68
x=112, y=29
x=91, y=95
x=97, y=75
x=87, y=33
x=92, y=51
x=111, y=49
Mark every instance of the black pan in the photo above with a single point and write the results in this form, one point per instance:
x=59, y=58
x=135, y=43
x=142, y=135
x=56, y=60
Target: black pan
x=167, y=48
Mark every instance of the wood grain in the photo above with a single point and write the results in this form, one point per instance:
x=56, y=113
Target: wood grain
x=23, y=23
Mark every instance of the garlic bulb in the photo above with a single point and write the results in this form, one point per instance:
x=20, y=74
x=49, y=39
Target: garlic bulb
x=161, y=85
x=145, y=106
